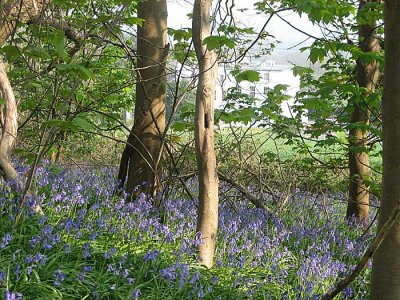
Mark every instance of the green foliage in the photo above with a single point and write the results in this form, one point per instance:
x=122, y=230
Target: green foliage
x=11, y=52
x=82, y=71
x=247, y=75
x=217, y=42
x=181, y=45
x=83, y=124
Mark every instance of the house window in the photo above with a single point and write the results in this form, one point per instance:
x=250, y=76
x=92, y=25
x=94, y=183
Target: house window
x=252, y=91
x=270, y=63
x=266, y=76
x=221, y=78
x=266, y=90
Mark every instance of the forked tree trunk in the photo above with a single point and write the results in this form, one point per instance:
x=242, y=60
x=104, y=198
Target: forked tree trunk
x=9, y=126
x=359, y=164
x=207, y=222
x=386, y=264
x=144, y=146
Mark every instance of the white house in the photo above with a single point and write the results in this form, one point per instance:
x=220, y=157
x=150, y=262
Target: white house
x=271, y=74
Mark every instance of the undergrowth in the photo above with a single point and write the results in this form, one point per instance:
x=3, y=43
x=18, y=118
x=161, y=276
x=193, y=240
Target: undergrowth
x=89, y=244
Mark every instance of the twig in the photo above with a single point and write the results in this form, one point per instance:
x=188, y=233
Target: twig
x=245, y=192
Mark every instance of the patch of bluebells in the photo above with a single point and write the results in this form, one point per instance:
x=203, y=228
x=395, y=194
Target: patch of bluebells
x=298, y=256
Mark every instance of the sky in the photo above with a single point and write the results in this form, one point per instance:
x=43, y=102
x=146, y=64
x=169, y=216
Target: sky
x=289, y=37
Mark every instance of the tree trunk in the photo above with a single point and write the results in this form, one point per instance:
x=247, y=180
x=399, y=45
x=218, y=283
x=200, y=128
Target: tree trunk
x=386, y=263
x=124, y=164
x=12, y=11
x=9, y=126
x=207, y=222
x=149, y=124
x=359, y=165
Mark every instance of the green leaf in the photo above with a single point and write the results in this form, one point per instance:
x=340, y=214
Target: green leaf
x=317, y=54
x=39, y=52
x=83, y=72
x=213, y=42
x=300, y=71
x=82, y=123
x=2, y=101
x=179, y=126
x=134, y=21
x=342, y=137
x=58, y=41
x=66, y=125
x=180, y=34
x=248, y=75
x=11, y=52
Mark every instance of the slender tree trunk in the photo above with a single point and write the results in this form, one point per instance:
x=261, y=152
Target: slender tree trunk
x=207, y=222
x=145, y=141
x=386, y=263
x=9, y=126
x=12, y=12
x=359, y=165
x=124, y=163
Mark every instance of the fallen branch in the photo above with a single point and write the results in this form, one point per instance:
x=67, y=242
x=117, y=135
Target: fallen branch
x=368, y=254
x=245, y=192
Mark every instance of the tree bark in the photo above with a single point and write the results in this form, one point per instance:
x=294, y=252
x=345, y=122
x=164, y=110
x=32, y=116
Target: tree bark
x=207, y=222
x=9, y=126
x=144, y=145
x=359, y=164
x=386, y=263
x=12, y=11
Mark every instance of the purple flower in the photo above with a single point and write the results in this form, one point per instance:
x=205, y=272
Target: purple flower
x=29, y=270
x=86, y=252
x=6, y=239
x=3, y=276
x=12, y=296
x=34, y=240
x=151, y=255
x=110, y=253
x=87, y=268
x=195, y=277
x=214, y=280
x=200, y=292
x=136, y=293
x=168, y=273
x=40, y=258
x=59, y=277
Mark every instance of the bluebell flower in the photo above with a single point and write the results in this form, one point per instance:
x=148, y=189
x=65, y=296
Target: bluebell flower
x=200, y=292
x=3, y=276
x=86, y=252
x=6, y=239
x=110, y=253
x=59, y=277
x=136, y=293
x=12, y=296
x=195, y=277
x=151, y=255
